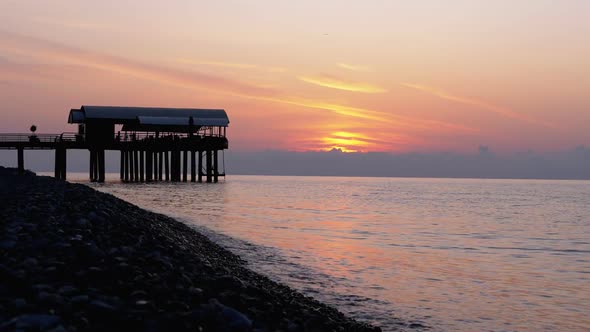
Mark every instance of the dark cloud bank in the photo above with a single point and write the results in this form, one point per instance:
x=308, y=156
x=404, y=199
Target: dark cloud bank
x=571, y=164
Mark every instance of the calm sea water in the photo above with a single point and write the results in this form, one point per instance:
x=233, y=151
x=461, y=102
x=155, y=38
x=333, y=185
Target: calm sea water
x=452, y=255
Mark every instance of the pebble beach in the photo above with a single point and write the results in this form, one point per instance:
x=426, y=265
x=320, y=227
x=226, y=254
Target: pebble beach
x=75, y=259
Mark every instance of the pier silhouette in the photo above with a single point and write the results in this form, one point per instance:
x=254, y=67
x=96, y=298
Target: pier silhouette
x=155, y=143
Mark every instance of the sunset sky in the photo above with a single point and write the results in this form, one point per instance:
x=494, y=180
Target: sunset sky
x=379, y=75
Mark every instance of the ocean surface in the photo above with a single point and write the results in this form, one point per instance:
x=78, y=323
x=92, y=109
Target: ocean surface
x=409, y=254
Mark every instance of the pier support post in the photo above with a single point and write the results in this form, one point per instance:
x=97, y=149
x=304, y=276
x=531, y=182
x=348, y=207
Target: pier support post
x=193, y=167
x=60, y=163
x=64, y=163
x=126, y=170
x=177, y=165
x=200, y=170
x=21, y=161
x=141, y=165
x=92, y=171
x=167, y=166
x=148, y=165
x=101, y=168
x=184, y=165
x=122, y=165
x=215, y=167
x=57, y=168
x=160, y=163
x=136, y=165
x=171, y=165
x=155, y=166
x=209, y=166
x=131, y=168
x=172, y=156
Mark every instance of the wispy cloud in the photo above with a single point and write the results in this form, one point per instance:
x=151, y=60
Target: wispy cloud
x=389, y=119
x=73, y=24
x=334, y=83
x=479, y=104
x=350, y=111
x=354, y=67
x=56, y=54
x=232, y=65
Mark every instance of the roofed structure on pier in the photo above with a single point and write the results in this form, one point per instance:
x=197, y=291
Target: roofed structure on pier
x=98, y=122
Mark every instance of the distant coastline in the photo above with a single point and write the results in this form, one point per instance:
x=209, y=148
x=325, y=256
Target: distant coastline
x=573, y=164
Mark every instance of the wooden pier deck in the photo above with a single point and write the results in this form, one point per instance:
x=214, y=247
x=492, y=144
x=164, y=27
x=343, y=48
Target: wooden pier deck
x=144, y=158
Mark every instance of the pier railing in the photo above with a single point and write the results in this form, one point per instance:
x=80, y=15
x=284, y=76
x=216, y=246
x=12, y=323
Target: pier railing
x=143, y=136
x=39, y=138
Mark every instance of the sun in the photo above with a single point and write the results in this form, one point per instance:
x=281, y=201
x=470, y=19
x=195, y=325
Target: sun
x=345, y=142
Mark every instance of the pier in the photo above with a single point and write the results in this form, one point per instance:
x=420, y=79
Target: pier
x=155, y=144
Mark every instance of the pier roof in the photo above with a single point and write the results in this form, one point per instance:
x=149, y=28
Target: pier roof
x=152, y=116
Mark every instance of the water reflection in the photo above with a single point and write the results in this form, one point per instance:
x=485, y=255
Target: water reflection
x=454, y=254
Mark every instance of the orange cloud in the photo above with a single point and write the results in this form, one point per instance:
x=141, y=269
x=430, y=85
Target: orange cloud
x=331, y=82
x=232, y=65
x=45, y=50
x=479, y=104
x=376, y=117
x=335, y=108
x=73, y=24
x=354, y=67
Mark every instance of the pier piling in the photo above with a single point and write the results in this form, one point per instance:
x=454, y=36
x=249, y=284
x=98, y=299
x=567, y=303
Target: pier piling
x=101, y=166
x=21, y=161
x=193, y=167
x=131, y=166
x=148, y=166
x=167, y=166
x=141, y=165
x=155, y=166
x=122, y=166
x=215, y=167
x=160, y=164
x=209, y=167
x=200, y=169
x=184, y=165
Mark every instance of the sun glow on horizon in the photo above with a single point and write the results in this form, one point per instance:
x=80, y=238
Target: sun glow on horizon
x=384, y=85
x=345, y=142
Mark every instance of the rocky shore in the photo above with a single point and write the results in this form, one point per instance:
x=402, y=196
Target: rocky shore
x=75, y=259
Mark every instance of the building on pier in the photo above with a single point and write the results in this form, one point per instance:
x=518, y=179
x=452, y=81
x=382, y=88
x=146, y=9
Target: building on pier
x=156, y=144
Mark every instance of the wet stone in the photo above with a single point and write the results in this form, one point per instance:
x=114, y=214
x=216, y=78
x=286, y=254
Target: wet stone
x=20, y=303
x=79, y=299
x=83, y=223
x=31, y=322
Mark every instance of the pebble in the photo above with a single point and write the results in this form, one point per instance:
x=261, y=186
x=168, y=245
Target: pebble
x=236, y=320
x=79, y=299
x=83, y=223
x=31, y=322
x=20, y=303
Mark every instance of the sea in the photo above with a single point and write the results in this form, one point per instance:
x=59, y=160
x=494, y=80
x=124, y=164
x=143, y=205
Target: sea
x=406, y=254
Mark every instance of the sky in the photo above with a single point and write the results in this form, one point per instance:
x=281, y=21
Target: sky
x=381, y=76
